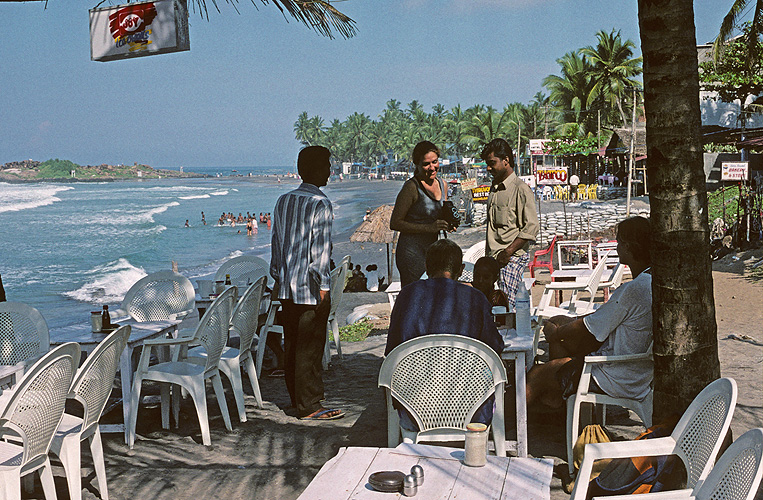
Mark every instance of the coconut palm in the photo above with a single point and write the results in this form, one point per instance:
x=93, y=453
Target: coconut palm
x=571, y=91
x=357, y=128
x=486, y=126
x=612, y=72
x=456, y=124
x=732, y=20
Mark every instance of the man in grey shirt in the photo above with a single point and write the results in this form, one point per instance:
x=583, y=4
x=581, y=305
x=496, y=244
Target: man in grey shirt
x=621, y=326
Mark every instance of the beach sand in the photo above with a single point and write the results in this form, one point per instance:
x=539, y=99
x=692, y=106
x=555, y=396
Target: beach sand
x=274, y=455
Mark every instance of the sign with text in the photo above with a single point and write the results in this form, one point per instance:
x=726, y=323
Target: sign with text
x=480, y=193
x=468, y=183
x=551, y=175
x=735, y=171
x=538, y=146
x=138, y=29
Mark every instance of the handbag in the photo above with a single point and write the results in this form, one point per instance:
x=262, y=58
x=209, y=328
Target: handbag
x=593, y=433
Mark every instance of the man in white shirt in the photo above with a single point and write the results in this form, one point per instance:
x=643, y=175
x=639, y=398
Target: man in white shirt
x=623, y=325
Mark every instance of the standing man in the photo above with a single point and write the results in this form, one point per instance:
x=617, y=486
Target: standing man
x=301, y=254
x=512, y=222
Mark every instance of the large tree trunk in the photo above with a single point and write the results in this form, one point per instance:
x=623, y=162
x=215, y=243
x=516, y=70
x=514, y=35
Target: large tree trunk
x=685, y=339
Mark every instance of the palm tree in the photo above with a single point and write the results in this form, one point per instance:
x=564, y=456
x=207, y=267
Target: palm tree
x=613, y=71
x=731, y=21
x=571, y=91
x=302, y=128
x=685, y=336
x=486, y=126
x=456, y=124
x=357, y=128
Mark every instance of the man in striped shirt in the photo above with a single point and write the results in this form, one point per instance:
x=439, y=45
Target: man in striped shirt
x=300, y=265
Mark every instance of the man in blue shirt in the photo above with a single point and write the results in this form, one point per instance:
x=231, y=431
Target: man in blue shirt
x=441, y=304
x=300, y=264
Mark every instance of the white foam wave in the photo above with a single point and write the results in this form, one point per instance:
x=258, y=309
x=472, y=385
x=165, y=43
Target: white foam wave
x=14, y=198
x=107, y=284
x=194, y=197
x=224, y=192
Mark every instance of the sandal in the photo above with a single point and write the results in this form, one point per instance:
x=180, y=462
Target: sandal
x=324, y=414
x=277, y=374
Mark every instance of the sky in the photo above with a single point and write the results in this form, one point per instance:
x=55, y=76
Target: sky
x=232, y=100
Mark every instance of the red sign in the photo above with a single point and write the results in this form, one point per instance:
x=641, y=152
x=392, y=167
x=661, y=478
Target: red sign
x=131, y=19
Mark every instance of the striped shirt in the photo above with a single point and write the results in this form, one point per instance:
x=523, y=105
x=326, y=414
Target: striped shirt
x=301, y=244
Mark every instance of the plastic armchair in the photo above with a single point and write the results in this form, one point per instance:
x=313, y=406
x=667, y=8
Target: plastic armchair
x=548, y=259
x=614, y=281
x=91, y=387
x=163, y=295
x=573, y=307
x=267, y=328
x=696, y=439
x=211, y=334
x=582, y=192
x=244, y=269
x=474, y=252
x=30, y=419
x=23, y=333
x=244, y=321
x=642, y=407
x=736, y=475
x=592, y=191
x=338, y=275
x=442, y=380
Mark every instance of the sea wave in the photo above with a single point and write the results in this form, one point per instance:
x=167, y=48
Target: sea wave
x=15, y=197
x=224, y=192
x=194, y=197
x=107, y=284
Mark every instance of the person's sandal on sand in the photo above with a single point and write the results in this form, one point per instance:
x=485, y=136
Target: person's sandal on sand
x=324, y=414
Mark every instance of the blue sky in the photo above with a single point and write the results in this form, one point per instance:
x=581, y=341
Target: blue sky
x=232, y=100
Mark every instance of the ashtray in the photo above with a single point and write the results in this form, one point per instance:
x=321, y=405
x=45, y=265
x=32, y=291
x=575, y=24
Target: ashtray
x=387, y=481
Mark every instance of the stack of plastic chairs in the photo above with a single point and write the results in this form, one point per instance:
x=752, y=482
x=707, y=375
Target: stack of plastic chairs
x=582, y=192
x=592, y=192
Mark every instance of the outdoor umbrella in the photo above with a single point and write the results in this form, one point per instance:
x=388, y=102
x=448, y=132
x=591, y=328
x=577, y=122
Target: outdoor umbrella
x=376, y=230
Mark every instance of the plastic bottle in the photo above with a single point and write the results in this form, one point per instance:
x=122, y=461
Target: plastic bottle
x=105, y=318
x=523, y=311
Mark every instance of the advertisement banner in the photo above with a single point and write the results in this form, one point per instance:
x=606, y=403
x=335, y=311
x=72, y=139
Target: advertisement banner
x=138, y=29
x=734, y=171
x=480, y=193
x=552, y=175
x=537, y=146
x=468, y=183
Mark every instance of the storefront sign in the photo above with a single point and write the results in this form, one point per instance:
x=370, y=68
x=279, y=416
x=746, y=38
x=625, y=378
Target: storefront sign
x=552, y=175
x=738, y=171
x=480, y=193
x=468, y=183
x=538, y=146
x=138, y=29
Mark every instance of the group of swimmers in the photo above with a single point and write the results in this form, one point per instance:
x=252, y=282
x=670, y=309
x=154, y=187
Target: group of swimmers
x=250, y=220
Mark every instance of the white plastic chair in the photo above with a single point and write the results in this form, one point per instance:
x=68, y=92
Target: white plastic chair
x=212, y=334
x=338, y=275
x=23, y=333
x=244, y=322
x=642, y=408
x=614, y=281
x=243, y=270
x=572, y=307
x=474, y=252
x=696, y=438
x=736, y=476
x=163, y=295
x=91, y=387
x=268, y=327
x=30, y=419
x=442, y=380
x=392, y=291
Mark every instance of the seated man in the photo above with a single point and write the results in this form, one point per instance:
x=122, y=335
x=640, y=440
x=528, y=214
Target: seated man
x=485, y=273
x=441, y=304
x=623, y=325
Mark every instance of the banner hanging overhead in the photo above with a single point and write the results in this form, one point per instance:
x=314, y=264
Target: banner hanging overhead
x=139, y=29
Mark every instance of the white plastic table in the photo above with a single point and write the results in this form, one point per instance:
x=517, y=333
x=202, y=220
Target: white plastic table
x=141, y=331
x=520, y=351
x=445, y=476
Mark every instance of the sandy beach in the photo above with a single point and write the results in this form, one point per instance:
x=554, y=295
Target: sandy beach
x=274, y=455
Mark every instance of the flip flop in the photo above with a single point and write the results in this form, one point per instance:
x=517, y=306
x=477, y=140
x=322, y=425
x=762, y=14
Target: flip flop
x=277, y=374
x=324, y=414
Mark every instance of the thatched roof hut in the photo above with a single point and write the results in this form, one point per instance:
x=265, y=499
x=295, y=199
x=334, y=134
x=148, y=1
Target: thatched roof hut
x=376, y=227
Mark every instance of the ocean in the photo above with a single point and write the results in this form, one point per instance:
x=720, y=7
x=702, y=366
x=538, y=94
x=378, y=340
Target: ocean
x=67, y=249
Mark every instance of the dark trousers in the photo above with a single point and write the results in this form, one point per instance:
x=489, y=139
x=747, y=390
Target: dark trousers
x=304, y=338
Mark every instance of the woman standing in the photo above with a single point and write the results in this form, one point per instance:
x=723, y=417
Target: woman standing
x=417, y=212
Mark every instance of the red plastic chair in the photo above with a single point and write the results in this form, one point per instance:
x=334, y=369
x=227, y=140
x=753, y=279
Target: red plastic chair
x=549, y=254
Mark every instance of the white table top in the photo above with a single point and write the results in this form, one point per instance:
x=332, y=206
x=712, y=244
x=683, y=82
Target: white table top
x=445, y=476
x=513, y=343
x=82, y=334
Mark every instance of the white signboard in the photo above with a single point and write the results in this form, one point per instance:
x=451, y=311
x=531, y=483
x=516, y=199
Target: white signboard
x=738, y=171
x=538, y=146
x=138, y=29
x=468, y=183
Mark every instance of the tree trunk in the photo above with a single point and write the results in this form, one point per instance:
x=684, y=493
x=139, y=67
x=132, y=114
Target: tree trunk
x=685, y=338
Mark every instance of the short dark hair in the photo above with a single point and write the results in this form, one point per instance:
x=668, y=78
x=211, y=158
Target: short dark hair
x=309, y=158
x=500, y=148
x=421, y=149
x=637, y=233
x=444, y=256
x=488, y=263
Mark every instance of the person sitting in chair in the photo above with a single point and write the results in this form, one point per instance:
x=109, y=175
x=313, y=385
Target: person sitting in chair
x=622, y=325
x=440, y=304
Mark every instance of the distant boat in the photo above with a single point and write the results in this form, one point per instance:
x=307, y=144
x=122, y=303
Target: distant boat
x=234, y=170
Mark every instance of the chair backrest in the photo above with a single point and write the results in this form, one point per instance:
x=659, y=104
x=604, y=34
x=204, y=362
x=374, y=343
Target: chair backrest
x=246, y=314
x=549, y=251
x=162, y=295
x=474, y=252
x=338, y=275
x=737, y=474
x=95, y=378
x=212, y=332
x=37, y=405
x=23, y=333
x=244, y=269
x=703, y=426
x=442, y=379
